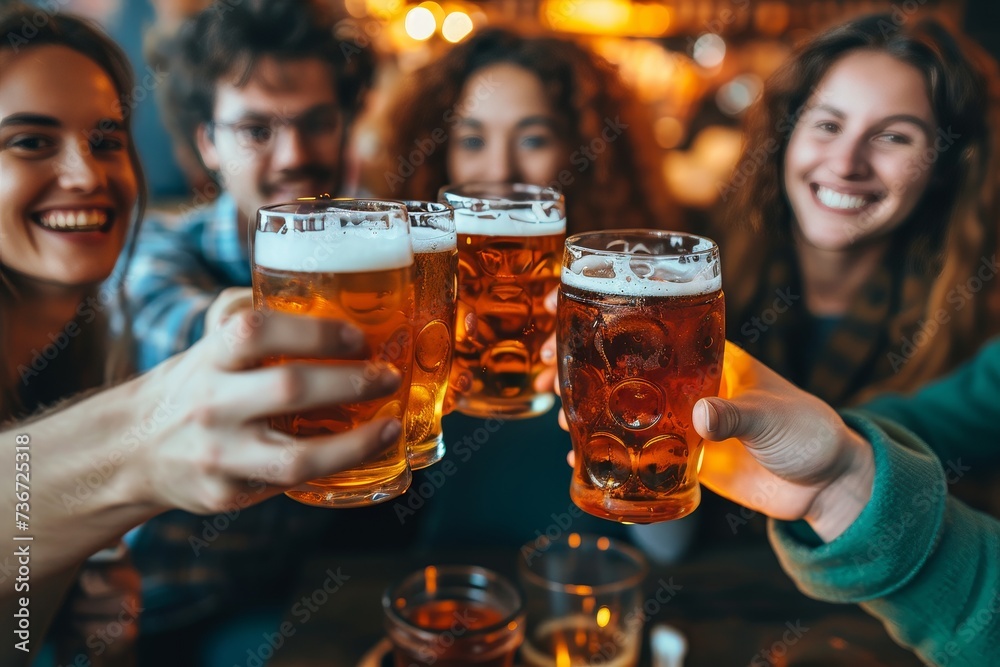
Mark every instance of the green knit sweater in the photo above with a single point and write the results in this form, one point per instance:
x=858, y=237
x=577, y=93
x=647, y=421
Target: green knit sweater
x=919, y=560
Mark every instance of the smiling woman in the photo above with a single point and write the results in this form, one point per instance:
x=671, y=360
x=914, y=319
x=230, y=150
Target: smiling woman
x=71, y=190
x=858, y=209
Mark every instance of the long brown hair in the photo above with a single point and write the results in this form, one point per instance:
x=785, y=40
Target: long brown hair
x=951, y=229
x=620, y=188
x=91, y=359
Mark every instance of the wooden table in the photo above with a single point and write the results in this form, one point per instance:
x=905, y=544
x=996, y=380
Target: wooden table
x=736, y=608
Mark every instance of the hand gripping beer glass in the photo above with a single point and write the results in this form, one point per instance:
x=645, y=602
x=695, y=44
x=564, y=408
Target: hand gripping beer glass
x=640, y=340
x=432, y=228
x=509, y=247
x=350, y=260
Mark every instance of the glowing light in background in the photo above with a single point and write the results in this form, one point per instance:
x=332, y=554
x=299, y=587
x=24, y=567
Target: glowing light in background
x=420, y=23
x=709, y=51
x=456, y=26
x=603, y=617
x=736, y=96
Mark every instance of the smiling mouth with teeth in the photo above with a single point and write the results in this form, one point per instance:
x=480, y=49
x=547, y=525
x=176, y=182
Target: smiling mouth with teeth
x=75, y=220
x=843, y=202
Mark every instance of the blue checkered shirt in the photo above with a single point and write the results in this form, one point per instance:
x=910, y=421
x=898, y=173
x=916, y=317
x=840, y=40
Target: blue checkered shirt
x=196, y=566
x=182, y=261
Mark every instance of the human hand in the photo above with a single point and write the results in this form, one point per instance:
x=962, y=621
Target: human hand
x=781, y=451
x=229, y=302
x=548, y=379
x=211, y=443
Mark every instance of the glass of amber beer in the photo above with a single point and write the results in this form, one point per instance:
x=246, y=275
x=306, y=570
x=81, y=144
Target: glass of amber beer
x=435, y=269
x=454, y=616
x=510, y=239
x=350, y=260
x=640, y=340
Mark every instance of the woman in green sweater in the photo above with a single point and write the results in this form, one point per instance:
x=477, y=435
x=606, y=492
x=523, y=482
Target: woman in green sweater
x=879, y=526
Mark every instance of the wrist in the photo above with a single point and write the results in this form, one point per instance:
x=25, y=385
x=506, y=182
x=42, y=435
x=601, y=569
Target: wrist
x=840, y=503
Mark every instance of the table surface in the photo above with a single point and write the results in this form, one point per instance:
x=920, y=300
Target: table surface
x=736, y=608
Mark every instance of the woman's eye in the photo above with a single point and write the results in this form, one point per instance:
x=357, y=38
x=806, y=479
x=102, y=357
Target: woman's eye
x=893, y=138
x=471, y=143
x=536, y=141
x=30, y=142
x=107, y=144
x=827, y=126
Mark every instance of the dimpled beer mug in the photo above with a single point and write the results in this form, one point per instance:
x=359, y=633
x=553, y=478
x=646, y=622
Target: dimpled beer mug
x=435, y=269
x=509, y=248
x=350, y=260
x=583, y=598
x=640, y=340
x=454, y=616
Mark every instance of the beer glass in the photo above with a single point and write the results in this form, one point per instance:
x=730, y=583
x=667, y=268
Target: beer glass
x=454, y=616
x=583, y=598
x=435, y=255
x=350, y=260
x=640, y=341
x=509, y=247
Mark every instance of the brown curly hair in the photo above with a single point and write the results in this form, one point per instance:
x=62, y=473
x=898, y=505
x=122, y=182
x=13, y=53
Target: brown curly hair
x=950, y=231
x=621, y=188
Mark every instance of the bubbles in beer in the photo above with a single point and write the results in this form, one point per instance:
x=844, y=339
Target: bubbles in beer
x=663, y=463
x=607, y=461
x=419, y=413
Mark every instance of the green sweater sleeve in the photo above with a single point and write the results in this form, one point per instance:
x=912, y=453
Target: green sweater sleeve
x=958, y=416
x=923, y=563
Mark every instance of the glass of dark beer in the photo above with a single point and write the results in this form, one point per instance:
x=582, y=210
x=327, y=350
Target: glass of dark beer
x=349, y=260
x=454, y=616
x=641, y=335
x=510, y=239
x=435, y=268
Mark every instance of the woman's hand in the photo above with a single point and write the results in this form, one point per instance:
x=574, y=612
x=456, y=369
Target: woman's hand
x=781, y=451
x=208, y=407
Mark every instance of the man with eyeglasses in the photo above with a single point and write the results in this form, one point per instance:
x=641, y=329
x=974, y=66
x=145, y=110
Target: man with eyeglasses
x=263, y=91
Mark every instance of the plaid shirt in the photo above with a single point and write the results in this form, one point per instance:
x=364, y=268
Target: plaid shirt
x=181, y=264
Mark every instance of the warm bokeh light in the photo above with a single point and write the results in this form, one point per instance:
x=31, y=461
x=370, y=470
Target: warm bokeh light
x=431, y=579
x=435, y=9
x=603, y=617
x=669, y=132
x=736, y=96
x=709, y=51
x=420, y=23
x=603, y=543
x=456, y=26
x=574, y=540
x=607, y=17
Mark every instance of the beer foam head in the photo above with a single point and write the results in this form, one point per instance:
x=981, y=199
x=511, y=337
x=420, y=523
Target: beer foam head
x=428, y=239
x=644, y=275
x=333, y=250
x=538, y=220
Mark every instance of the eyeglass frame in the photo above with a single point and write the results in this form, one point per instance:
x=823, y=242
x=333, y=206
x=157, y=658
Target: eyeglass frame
x=315, y=115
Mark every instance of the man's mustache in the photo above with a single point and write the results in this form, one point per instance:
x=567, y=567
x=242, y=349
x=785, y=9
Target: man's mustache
x=295, y=177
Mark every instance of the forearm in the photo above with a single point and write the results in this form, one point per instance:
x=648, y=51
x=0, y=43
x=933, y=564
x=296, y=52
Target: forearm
x=927, y=566
x=168, y=322
x=82, y=493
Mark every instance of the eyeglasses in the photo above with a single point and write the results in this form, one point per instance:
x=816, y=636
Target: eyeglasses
x=258, y=134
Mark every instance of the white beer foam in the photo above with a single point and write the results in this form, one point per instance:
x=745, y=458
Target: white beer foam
x=631, y=277
x=428, y=239
x=538, y=222
x=334, y=250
